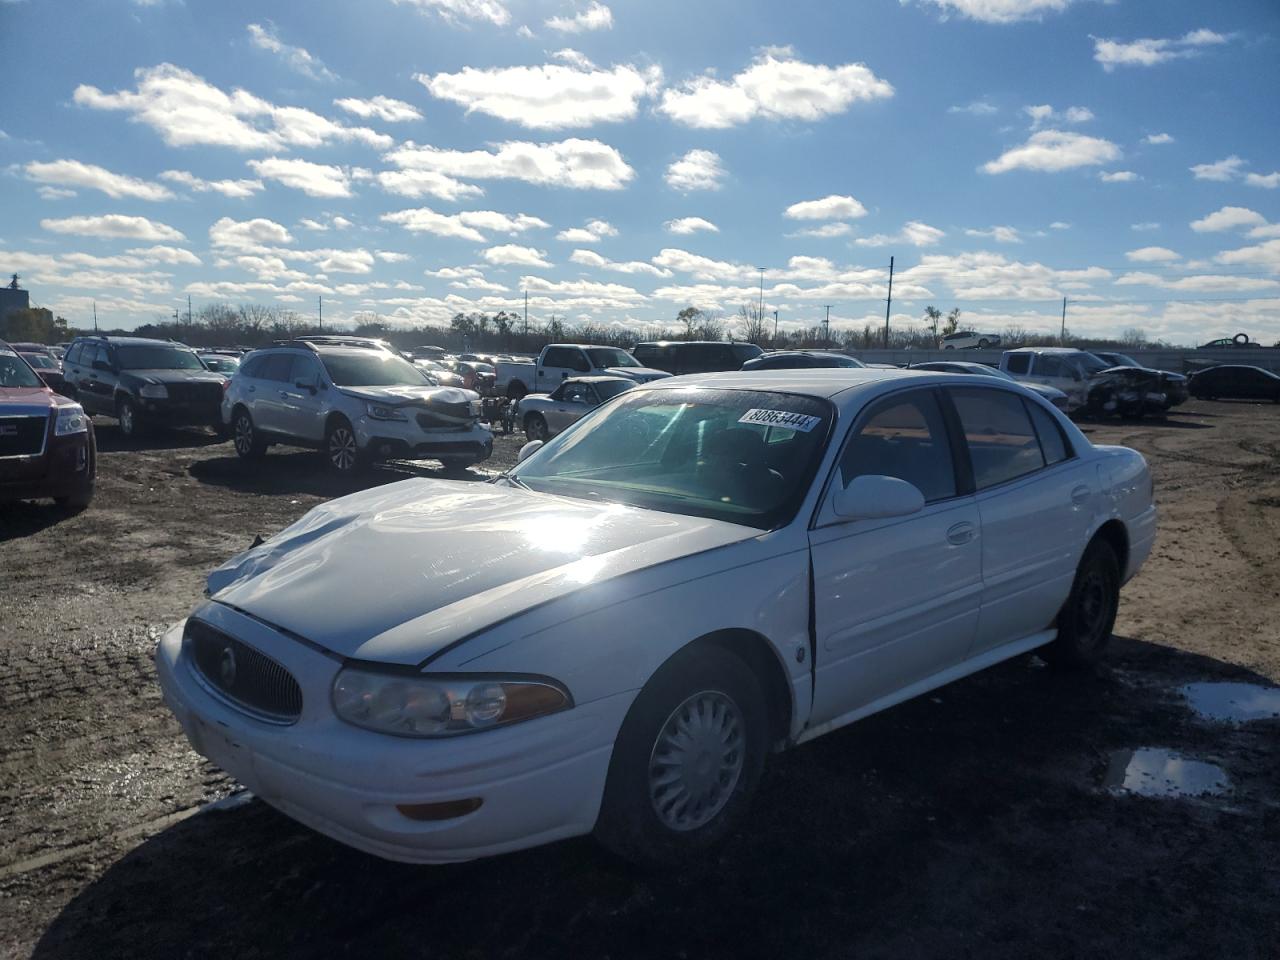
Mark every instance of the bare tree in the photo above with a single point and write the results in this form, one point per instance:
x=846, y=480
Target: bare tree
x=953, y=322
x=752, y=325
x=931, y=316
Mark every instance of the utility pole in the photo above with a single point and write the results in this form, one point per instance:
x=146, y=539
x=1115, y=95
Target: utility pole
x=1062, y=337
x=526, y=314
x=95, y=316
x=775, y=328
x=188, y=313
x=888, y=305
x=761, y=269
x=826, y=327
x=320, y=304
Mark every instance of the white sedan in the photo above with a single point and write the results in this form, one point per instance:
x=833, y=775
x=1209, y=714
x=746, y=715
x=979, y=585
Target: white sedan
x=614, y=636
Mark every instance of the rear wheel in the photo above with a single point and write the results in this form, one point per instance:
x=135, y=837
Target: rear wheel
x=248, y=442
x=340, y=449
x=1087, y=618
x=686, y=761
x=984, y=343
x=535, y=427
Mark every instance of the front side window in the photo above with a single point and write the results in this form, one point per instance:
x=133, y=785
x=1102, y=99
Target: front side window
x=607, y=389
x=743, y=456
x=372, y=369
x=1050, y=366
x=904, y=437
x=1002, y=442
x=575, y=393
x=610, y=357
x=1018, y=363
x=158, y=357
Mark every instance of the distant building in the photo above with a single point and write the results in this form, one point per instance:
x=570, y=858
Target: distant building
x=13, y=299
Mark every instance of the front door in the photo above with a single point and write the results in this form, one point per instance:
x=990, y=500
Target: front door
x=300, y=408
x=895, y=600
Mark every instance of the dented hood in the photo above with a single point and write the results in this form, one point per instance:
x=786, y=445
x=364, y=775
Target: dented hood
x=397, y=573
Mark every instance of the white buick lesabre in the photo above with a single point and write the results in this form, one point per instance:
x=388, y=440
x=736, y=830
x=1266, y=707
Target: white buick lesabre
x=615, y=635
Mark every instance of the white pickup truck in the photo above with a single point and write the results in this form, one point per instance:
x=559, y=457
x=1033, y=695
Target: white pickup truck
x=559, y=361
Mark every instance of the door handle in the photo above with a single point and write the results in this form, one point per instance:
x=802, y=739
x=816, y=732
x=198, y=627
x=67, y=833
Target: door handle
x=960, y=533
x=1080, y=494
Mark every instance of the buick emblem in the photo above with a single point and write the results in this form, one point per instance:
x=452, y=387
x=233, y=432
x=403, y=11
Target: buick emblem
x=227, y=667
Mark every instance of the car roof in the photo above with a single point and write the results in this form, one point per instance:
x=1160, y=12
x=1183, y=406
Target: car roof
x=821, y=382
x=596, y=379
x=1047, y=350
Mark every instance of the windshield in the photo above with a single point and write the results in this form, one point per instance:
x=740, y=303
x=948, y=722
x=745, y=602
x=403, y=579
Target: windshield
x=156, y=358
x=611, y=388
x=14, y=371
x=609, y=357
x=372, y=369
x=743, y=456
x=1091, y=364
x=41, y=361
x=221, y=364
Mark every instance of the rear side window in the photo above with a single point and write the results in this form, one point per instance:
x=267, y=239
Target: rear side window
x=276, y=367
x=1052, y=442
x=1002, y=442
x=252, y=367
x=1018, y=363
x=904, y=437
x=73, y=355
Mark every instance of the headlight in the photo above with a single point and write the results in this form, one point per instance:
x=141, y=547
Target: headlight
x=71, y=419
x=380, y=411
x=410, y=706
x=153, y=391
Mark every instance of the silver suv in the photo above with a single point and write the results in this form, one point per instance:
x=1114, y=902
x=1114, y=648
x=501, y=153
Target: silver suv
x=355, y=401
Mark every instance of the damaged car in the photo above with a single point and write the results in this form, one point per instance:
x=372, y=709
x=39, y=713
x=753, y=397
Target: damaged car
x=1094, y=387
x=356, y=402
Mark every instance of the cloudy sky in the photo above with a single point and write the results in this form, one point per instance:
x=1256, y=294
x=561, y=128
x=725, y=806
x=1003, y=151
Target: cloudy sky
x=619, y=161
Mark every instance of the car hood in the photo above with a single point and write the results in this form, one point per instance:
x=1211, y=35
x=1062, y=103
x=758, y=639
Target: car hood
x=39, y=396
x=176, y=376
x=397, y=573
x=641, y=374
x=401, y=393
x=1048, y=392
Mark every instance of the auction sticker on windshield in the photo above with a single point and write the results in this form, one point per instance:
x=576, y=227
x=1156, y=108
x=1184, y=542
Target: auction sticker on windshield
x=780, y=418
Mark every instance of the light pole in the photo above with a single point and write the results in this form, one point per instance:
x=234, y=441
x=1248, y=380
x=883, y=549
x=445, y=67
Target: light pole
x=761, y=313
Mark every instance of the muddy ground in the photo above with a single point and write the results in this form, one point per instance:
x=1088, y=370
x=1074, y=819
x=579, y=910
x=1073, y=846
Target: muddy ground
x=975, y=822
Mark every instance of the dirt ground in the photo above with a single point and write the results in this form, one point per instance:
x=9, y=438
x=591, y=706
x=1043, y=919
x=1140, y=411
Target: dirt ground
x=975, y=822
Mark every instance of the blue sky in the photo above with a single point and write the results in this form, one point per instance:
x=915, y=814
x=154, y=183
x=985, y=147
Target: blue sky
x=415, y=158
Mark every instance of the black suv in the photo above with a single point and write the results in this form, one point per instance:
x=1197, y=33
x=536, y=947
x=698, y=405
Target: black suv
x=695, y=356
x=141, y=382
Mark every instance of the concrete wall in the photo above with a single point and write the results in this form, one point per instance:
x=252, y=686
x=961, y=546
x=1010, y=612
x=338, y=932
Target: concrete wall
x=1179, y=361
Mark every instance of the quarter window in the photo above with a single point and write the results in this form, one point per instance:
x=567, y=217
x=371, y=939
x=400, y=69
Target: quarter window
x=1018, y=363
x=276, y=367
x=1002, y=442
x=1052, y=443
x=904, y=437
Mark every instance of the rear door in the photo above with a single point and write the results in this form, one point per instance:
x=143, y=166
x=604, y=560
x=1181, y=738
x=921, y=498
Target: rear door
x=268, y=392
x=559, y=363
x=300, y=400
x=97, y=384
x=1036, y=502
x=895, y=600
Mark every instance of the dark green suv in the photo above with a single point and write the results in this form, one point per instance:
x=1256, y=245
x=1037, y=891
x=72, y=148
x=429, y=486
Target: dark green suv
x=143, y=382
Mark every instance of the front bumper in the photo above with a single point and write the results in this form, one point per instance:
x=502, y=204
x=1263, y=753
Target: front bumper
x=178, y=413
x=539, y=781
x=64, y=469
x=406, y=440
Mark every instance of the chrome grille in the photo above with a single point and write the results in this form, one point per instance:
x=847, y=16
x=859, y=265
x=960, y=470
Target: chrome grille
x=23, y=436
x=242, y=675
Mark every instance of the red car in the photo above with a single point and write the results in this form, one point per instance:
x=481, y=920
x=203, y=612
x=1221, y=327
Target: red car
x=47, y=446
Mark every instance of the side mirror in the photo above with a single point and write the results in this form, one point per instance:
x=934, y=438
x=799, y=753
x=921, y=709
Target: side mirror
x=304, y=385
x=102, y=365
x=528, y=450
x=876, y=497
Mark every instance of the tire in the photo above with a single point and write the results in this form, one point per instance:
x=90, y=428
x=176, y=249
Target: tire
x=127, y=416
x=455, y=468
x=948, y=347
x=516, y=391
x=248, y=441
x=1087, y=618
x=341, y=452
x=984, y=343
x=535, y=427
x=649, y=822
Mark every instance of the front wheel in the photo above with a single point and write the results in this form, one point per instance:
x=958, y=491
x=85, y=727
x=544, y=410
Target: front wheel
x=248, y=442
x=535, y=427
x=127, y=415
x=1089, y=615
x=686, y=761
x=340, y=449
x=984, y=343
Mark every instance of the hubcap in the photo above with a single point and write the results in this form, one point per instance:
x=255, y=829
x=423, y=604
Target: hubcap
x=244, y=435
x=1092, y=607
x=696, y=761
x=342, y=449
x=126, y=418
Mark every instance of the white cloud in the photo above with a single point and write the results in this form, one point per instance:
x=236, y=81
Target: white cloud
x=1003, y=234
x=114, y=225
x=228, y=188
x=1267, y=181
x=248, y=236
x=700, y=267
x=1059, y=225
x=774, y=87
x=456, y=11
x=576, y=164
x=687, y=225
x=825, y=231
x=308, y=224
x=1265, y=255
x=55, y=193
x=515, y=255
x=1044, y=113
x=832, y=207
x=976, y=108
x=550, y=96
x=424, y=183
x=313, y=179
x=1157, y=138
x=391, y=256
x=914, y=232
x=1145, y=227
x=696, y=170
x=1054, y=150
x=1148, y=51
x=295, y=58
x=384, y=108
x=466, y=225
x=186, y=110
x=1221, y=171
x=73, y=173
x=999, y=11
x=1152, y=255
x=592, y=232
x=589, y=258
x=983, y=276
x=1118, y=176
x=596, y=16
x=162, y=254
x=1228, y=218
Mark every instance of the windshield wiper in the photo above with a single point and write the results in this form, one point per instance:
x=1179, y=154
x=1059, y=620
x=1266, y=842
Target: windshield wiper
x=514, y=480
